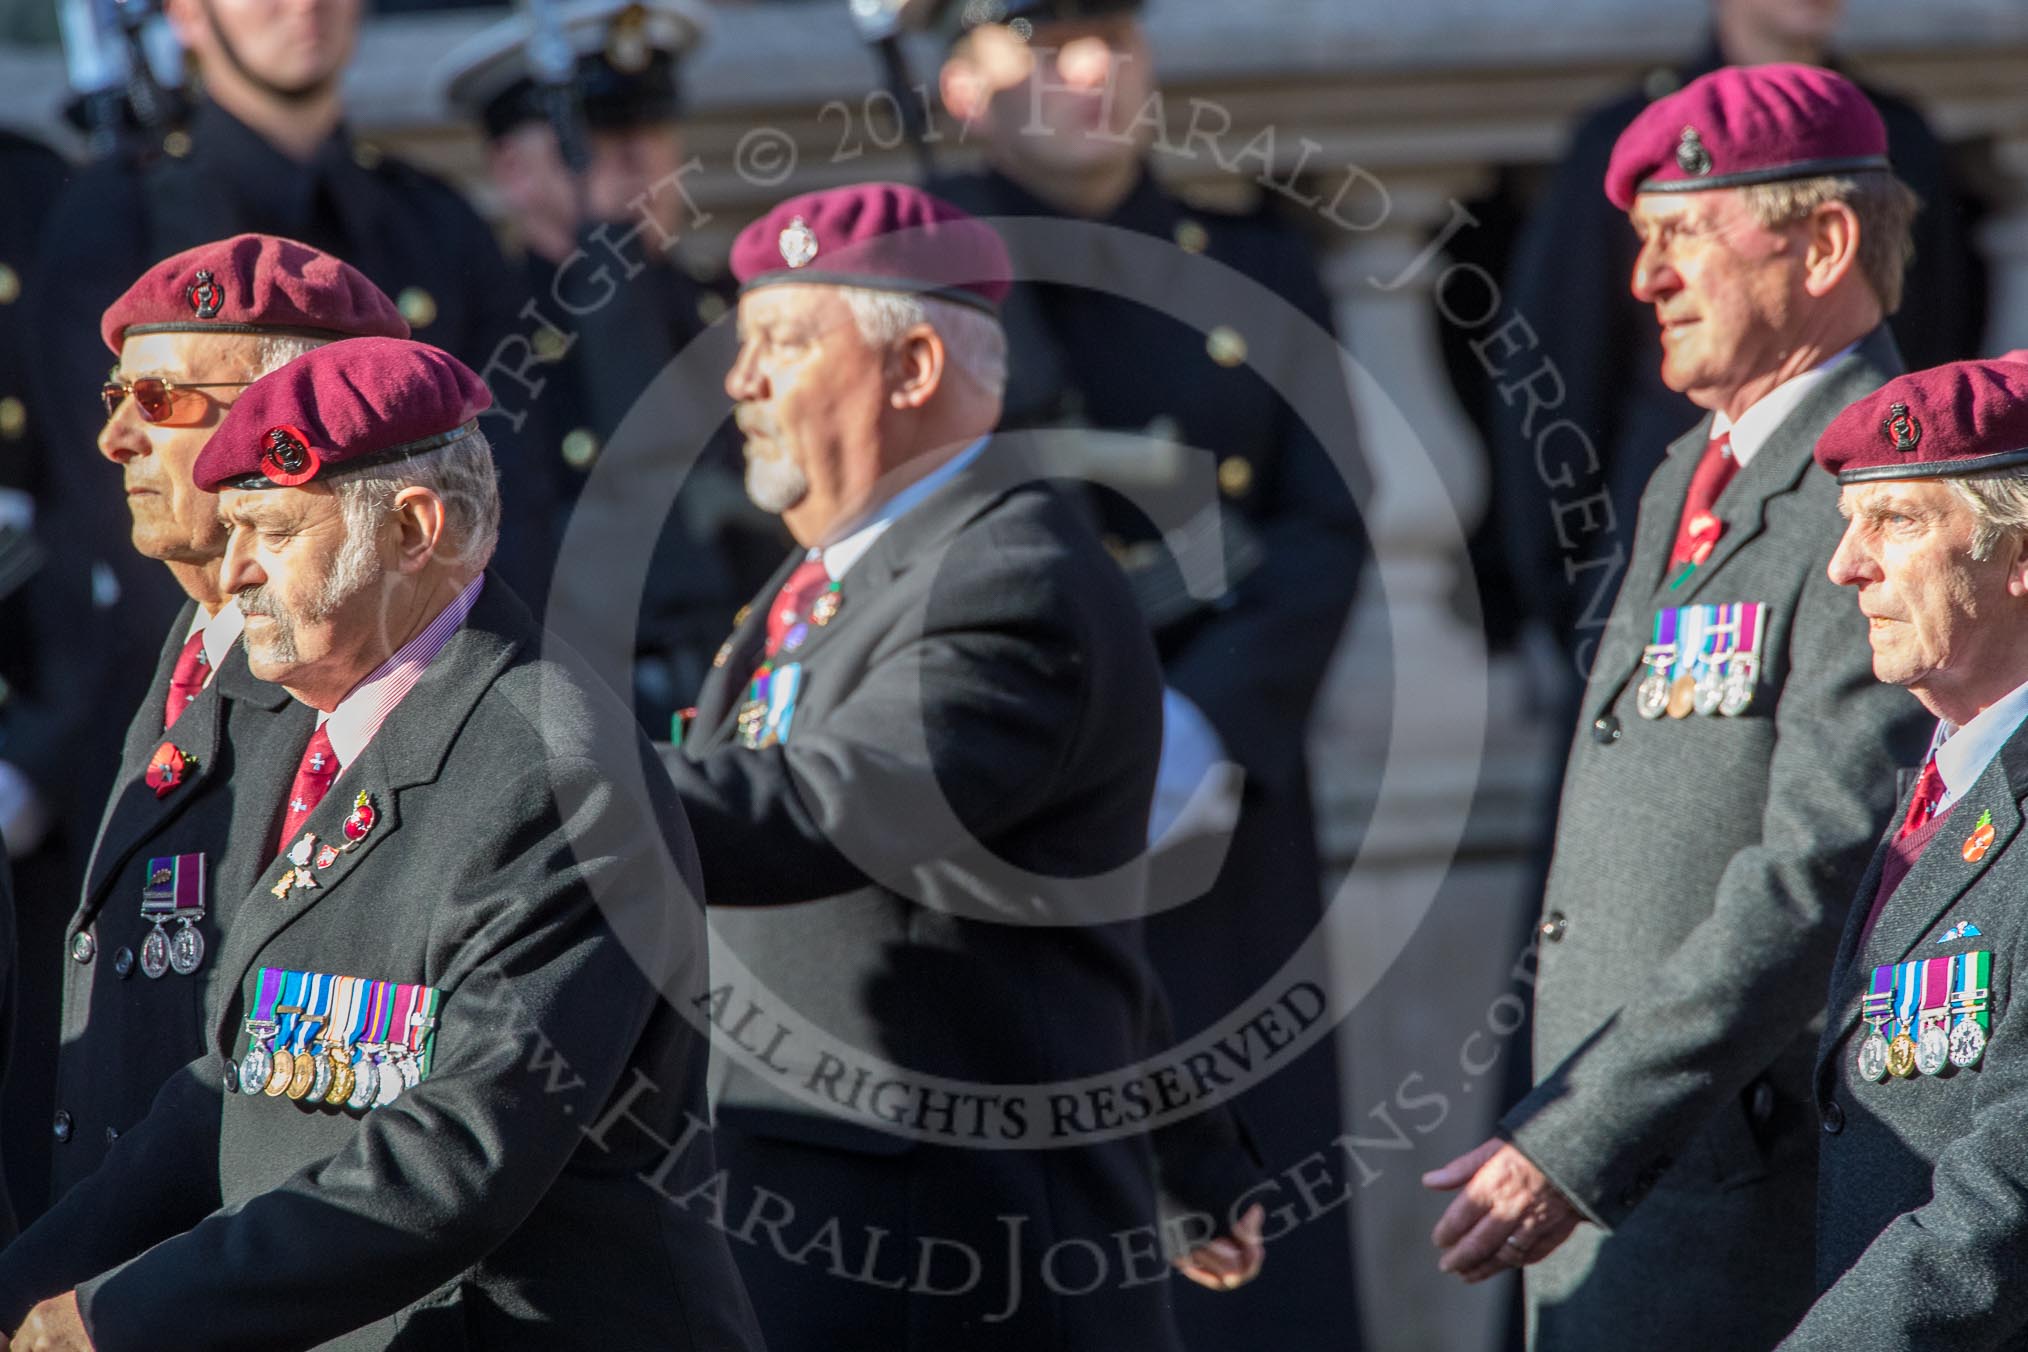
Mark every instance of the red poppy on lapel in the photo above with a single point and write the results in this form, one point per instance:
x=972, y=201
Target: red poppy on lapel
x=167, y=768
x=362, y=818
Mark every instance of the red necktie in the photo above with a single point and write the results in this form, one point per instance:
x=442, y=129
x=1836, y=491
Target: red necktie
x=313, y=778
x=1698, y=530
x=1929, y=791
x=186, y=680
x=792, y=603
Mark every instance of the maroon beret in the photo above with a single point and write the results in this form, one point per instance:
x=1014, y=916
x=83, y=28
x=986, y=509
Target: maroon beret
x=1970, y=417
x=1747, y=124
x=253, y=284
x=346, y=405
x=887, y=236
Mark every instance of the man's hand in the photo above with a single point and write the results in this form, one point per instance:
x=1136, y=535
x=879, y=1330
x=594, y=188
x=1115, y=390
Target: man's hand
x=53, y=1326
x=1508, y=1216
x=1223, y=1263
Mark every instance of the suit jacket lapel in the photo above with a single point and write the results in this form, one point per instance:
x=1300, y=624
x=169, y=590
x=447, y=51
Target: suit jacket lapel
x=409, y=749
x=1943, y=874
x=719, y=700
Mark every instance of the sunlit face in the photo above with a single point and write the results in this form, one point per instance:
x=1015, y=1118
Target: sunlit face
x=811, y=392
x=290, y=48
x=1936, y=617
x=1065, y=100
x=627, y=165
x=309, y=593
x=1728, y=292
x=173, y=520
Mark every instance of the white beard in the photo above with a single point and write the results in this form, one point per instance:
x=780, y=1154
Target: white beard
x=775, y=483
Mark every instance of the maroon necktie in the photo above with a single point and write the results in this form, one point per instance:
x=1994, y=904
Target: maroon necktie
x=186, y=680
x=792, y=603
x=1909, y=841
x=313, y=778
x=1698, y=530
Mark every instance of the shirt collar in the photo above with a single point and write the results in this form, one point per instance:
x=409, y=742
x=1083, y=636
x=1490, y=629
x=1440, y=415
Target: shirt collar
x=220, y=632
x=1963, y=753
x=839, y=557
x=1758, y=423
x=359, y=715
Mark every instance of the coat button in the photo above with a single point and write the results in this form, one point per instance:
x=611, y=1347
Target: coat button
x=123, y=963
x=1834, y=1119
x=1552, y=927
x=232, y=1077
x=1761, y=1105
x=1605, y=730
x=60, y=1128
x=83, y=946
x=112, y=1134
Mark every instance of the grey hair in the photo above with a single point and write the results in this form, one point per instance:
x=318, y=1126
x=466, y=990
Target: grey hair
x=1886, y=209
x=461, y=473
x=273, y=351
x=973, y=340
x=1999, y=504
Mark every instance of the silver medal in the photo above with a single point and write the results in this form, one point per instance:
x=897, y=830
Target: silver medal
x=1651, y=697
x=1933, y=1050
x=365, y=1083
x=1740, y=674
x=390, y=1086
x=320, y=1083
x=1710, y=691
x=255, y=1067
x=1968, y=1043
x=186, y=950
x=1873, y=1058
x=155, y=954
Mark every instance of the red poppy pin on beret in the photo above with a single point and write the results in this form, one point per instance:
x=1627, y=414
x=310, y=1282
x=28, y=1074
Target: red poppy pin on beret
x=253, y=284
x=1969, y=417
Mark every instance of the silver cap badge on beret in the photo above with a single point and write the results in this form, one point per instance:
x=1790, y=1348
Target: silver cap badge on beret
x=1691, y=156
x=798, y=243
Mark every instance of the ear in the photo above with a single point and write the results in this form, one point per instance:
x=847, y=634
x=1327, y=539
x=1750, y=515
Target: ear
x=2016, y=543
x=1832, y=252
x=915, y=368
x=419, y=519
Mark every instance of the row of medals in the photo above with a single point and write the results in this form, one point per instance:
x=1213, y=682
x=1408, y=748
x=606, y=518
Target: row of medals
x=1927, y=1054
x=753, y=715
x=361, y=1077
x=1728, y=692
x=184, y=953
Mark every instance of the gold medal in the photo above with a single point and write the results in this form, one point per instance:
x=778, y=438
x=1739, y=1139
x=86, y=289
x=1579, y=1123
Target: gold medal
x=302, y=1076
x=1683, y=696
x=342, y=1078
x=281, y=1073
x=1901, y=1056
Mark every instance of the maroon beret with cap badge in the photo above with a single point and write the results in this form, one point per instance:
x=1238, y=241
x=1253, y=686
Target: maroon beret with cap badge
x=886, y=236
x=1747, y=124
x=1969, y=417
x=253, y=284
x=343, y=406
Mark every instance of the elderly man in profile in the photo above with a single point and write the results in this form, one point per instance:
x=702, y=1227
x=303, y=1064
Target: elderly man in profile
x=1921, y=1077
x=921, y=776
x=190, y=334
x=439, y=1064
x=1733, y=763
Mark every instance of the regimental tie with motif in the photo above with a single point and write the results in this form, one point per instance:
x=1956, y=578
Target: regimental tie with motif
x=1703, y=659
x=811, y=598
x=337, y=1041
x=174, y=891
x=1928, y=1016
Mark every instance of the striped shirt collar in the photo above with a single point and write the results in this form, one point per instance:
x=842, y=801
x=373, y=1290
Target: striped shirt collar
x=220, y=632
x=359, y=715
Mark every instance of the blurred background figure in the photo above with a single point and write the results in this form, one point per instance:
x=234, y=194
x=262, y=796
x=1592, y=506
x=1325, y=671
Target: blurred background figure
x=1181, y=437
x=43, y=839
x=579, y=108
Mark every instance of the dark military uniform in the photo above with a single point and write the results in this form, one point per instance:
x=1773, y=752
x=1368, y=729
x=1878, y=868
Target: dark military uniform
x=1250, y=655
x=125, y=1033
x=29, y=740
x=716, y=548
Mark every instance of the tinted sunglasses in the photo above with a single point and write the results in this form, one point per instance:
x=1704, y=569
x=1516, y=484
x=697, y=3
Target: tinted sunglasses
x=163, y=401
